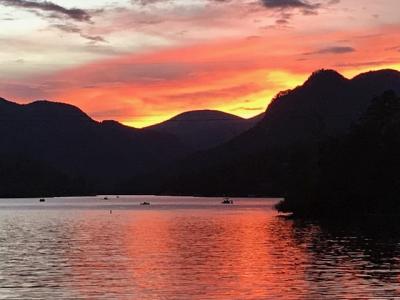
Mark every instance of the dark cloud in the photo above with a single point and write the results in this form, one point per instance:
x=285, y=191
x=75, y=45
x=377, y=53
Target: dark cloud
x=55, y=10
x=332, y=50
x=367, y=63
x=70, y=28
x=67, y=28
x=289, y=4
x=275, y=4
x=147, y=2
x=285, y=16
x=305, y=7
x=282, y=21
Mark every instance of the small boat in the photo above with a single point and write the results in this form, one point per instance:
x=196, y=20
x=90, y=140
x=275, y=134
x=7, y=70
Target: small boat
x=227, y=201
x=145, y=203
x=42, y=200
x=105, y=198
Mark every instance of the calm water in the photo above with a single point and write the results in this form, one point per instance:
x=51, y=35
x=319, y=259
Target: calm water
x=188, y=248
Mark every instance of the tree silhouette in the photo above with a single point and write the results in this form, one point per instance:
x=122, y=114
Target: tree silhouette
x=353, y=174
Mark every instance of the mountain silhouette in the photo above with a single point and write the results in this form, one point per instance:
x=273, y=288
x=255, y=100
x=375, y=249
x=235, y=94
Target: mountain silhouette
x=255, y=161
x=55, y=142
x=203, y=129
x=326, y=104
x=63, y=137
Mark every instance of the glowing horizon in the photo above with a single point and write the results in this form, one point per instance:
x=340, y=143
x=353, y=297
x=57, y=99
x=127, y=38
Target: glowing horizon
x=142, y=62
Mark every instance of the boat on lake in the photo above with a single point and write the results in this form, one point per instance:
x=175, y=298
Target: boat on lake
x=42, y=200
x=227, y=201
x=145, y=203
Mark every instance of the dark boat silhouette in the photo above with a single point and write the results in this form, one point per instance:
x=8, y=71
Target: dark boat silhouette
x=145, y=203
x=227, y=201
x=42, y=200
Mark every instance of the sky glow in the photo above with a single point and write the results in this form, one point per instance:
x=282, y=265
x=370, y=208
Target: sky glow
x=143, y=61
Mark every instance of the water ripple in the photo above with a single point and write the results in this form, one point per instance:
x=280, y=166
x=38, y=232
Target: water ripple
x=182, y=249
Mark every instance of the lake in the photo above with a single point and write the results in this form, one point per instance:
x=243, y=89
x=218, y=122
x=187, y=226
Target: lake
x=188, y=248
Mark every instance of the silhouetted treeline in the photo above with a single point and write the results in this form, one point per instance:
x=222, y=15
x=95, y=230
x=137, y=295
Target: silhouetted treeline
x=357, y=173
x=24, y=177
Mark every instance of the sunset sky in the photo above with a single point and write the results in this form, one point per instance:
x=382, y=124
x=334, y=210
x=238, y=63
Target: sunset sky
x=143, y=61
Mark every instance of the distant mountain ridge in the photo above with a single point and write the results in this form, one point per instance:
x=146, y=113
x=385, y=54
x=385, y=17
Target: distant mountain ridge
x=204, y=129
x=64, y=137
x=61, y=139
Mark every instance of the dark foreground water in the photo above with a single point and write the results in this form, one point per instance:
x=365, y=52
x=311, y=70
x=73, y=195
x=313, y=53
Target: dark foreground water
x=188, y=248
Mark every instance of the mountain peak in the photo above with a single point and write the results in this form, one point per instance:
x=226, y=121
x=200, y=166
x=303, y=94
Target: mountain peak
x=111, y=123
x=204, y=115
x=323, y=76
x=115, y=124
x=204, y=129
x=55, y=110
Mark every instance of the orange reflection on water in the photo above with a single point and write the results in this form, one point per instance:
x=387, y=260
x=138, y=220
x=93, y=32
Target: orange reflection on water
x=216, y=254
x=211, y=255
